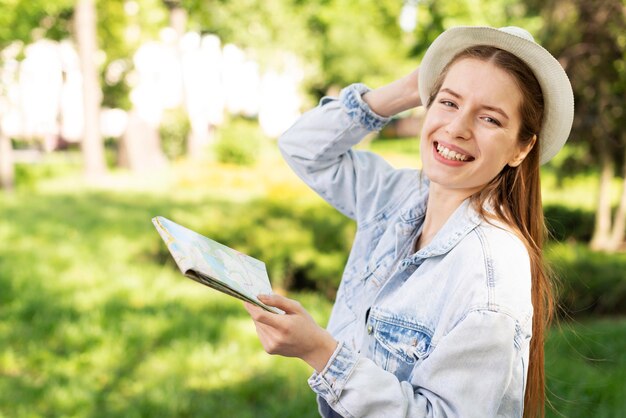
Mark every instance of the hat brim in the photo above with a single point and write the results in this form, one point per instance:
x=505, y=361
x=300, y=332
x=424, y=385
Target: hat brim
x=555, y=85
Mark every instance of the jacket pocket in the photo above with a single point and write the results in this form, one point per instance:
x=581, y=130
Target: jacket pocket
x=398, y=343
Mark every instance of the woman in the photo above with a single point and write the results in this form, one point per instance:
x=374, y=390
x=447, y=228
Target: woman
x=444, y=301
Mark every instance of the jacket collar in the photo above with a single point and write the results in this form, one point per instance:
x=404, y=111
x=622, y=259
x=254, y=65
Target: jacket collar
x=462, y=221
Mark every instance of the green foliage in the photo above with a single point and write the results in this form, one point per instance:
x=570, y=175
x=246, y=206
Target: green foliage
x=174, y=131
x=593, y=56
x=590, y=282
x=304, y=245
x=25, y=20
x=239, y=141
x=359, y=41
x=338, y=41
x=29, y=175
x=435, y=17
x=567, y=224
x=122, y=27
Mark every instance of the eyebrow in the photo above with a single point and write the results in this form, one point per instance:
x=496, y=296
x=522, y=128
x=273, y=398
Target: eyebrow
x=491, y=108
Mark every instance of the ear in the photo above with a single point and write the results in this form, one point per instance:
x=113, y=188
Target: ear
x=522, y=152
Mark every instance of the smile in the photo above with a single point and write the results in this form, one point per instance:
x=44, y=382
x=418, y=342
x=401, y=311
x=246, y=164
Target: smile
x=449, y=154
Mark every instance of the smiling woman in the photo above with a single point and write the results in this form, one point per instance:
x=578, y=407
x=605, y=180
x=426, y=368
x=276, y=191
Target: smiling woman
x=471, y=128
x=444, y=301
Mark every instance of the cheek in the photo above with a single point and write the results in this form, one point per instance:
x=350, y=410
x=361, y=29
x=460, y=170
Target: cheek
x=429, y=124
x=508, y=150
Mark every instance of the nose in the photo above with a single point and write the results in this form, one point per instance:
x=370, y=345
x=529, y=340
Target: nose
x=460, y=125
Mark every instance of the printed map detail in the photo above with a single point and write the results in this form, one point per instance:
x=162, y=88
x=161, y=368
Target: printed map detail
x=215, y=264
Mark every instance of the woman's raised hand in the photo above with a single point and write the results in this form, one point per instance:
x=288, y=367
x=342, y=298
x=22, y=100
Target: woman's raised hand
x=395, y=97
x=294, y=334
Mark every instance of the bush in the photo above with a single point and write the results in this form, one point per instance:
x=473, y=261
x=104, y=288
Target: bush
x=174, y=130
x=239, y=142
x=304, y=245
x=51, y=165
x=565, y=223
x=589, y=282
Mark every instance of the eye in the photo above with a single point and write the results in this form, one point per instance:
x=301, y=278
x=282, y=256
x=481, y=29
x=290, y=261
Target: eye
x=448, y=103
x=492, y=121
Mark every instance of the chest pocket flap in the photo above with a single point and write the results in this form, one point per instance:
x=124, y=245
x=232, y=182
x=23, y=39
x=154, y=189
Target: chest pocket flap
x=402, y=337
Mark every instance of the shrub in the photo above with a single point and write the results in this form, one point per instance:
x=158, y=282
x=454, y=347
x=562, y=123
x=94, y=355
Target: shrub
x=174, y=130
x=239, y=142
x=589, y=282
x=51, y=165
x=566, y=223
x=304, y=245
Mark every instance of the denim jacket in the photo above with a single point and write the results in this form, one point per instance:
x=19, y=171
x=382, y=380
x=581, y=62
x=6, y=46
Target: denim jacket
x=441, y=332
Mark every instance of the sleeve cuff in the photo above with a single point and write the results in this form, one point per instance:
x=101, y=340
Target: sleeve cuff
x=330, y=382
x=360, y=111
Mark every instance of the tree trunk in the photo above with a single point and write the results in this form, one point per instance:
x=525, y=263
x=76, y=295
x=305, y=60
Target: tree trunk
x=198, y=137
x=178, y=20
x=7, y=167
x=92, y=143
x=602, y=228
x=619, y=221
x=140, y=147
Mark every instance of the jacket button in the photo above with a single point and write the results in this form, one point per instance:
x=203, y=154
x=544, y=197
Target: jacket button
x=370, y=329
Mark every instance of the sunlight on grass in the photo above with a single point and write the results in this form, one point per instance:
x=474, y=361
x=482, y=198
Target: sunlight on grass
x=579, y=192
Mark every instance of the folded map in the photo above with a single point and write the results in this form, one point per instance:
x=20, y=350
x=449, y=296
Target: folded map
x=214, y=264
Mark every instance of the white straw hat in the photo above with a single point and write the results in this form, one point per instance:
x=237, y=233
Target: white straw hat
x=557, y=91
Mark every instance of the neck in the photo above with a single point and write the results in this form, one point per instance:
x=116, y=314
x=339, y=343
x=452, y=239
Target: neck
x=441, y=205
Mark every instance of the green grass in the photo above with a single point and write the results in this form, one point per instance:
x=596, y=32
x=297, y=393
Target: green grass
x=95, y=320
x=94, y=324
x=586, y=369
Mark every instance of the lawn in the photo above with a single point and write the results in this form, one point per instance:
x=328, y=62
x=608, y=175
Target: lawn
x=95, y=321
x=586, y=368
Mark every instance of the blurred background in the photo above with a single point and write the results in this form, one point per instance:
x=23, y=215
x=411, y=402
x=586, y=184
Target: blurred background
x=112, y=112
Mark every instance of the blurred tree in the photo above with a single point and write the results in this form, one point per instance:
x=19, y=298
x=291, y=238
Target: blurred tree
x=590, y=39
x=338, y=41
x=123, y=25
x=177, y=15
x=140, y=148
x=436, y=16
x=92, y=143
x=24, y=21
x=359, y=41
x=28, y=20
x=7, y=170
x=195, y=141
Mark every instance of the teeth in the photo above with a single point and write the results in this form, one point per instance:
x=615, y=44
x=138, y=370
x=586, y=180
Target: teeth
x=449, y=154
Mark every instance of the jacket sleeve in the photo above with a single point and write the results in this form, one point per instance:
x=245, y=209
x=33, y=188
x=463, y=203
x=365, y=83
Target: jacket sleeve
x=318, y=147
x=465, y=375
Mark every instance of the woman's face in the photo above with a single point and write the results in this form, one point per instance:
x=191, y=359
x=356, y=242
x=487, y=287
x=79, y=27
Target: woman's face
x=470, y=130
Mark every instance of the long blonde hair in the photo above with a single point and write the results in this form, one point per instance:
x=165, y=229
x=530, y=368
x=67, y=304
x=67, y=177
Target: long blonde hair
x=515, y=196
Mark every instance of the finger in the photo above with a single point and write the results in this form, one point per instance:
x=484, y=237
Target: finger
x=281, y=302
x=255, y=311
x=262, y=317
x=250, y=307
